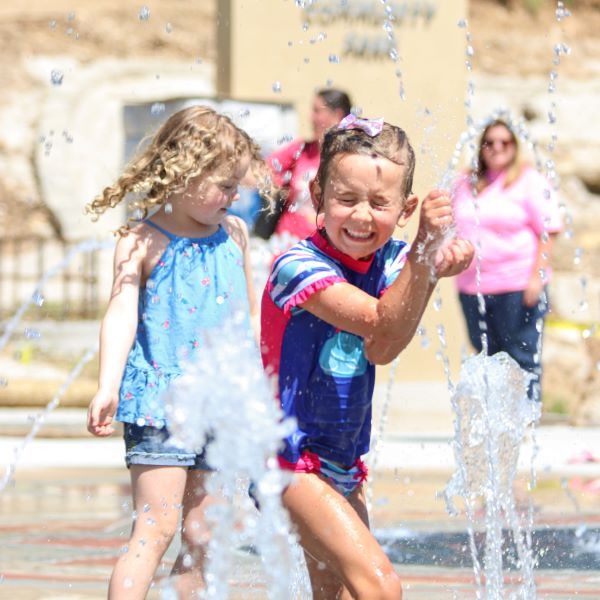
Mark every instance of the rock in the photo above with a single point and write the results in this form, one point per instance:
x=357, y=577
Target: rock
x=587, y=413
x=566, y=369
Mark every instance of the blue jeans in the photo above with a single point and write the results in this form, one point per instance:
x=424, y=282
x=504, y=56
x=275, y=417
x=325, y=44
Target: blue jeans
x=146, y=445
x=511, y=327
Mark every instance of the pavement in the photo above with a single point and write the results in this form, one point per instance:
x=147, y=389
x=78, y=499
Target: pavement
x=66, y=512
x=416, y=433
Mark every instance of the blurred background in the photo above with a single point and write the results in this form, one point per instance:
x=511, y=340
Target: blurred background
x=83, y=83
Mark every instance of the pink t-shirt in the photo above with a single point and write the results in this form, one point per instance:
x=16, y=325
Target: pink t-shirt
x=507, y=235
x=294, y=166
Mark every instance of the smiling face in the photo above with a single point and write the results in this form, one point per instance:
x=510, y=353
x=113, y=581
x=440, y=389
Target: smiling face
x=498, y=148
x=362, y=203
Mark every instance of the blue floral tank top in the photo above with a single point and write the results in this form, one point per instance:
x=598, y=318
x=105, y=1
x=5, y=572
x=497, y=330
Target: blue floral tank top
x=195, y=286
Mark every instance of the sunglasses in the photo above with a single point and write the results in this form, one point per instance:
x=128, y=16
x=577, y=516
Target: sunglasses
x=486, y=144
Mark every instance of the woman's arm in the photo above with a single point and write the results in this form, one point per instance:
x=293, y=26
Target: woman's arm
x=117, y=332
x=539, y=273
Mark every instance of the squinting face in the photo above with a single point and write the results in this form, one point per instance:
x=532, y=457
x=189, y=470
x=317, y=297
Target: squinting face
x=362, y=203
x=323, y=117
x=498, y=149
x=207, y=199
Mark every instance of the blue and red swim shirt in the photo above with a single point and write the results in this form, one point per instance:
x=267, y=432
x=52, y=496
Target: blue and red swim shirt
x=324, y=379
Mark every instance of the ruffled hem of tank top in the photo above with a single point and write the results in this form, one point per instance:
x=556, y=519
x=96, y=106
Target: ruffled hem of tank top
x=140, y=399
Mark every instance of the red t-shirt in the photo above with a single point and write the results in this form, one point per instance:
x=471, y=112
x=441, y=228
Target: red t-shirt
x=294, y=166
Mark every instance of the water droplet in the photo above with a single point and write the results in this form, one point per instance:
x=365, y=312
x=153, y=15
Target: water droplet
x=462, y=23
x=168, y=208
x=144, y=13
x=56, y=77
x=276, y=87
x=146, y=507
x=561, y=12
x=470, y=51
x=52, y=24
x=219, y=299
x=128, y=583
x=37, y=299
x=394, y=54
x=168, y=27
x=334, y=59
x=150, y=521
x=3, y=382
x=32, y=334
x=187, y=560
x=157, y=108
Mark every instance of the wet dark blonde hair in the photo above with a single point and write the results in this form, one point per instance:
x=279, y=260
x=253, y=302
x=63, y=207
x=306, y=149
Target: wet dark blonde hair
x=392, y=143
x=193, y=141
x=514, y=170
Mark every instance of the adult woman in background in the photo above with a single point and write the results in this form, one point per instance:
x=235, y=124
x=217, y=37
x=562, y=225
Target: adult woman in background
x=295, y=164
x=508, y=211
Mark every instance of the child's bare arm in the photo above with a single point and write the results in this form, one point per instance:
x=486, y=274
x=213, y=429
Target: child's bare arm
x=117, y=332
x=238, y=230
x=389, y=323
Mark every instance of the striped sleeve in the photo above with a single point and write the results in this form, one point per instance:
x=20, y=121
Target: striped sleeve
x=299, y=273
x=394, y=259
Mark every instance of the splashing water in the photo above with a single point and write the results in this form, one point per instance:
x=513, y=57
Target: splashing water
x=227, y=399
x=37, y=296
x=40, y=418
x=492, y=414
x=427, y=252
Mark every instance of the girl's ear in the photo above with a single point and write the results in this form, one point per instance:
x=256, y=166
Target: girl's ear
x=315, y=195
x=410, y=204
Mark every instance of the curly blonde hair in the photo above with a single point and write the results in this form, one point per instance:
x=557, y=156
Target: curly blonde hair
x=193, y=141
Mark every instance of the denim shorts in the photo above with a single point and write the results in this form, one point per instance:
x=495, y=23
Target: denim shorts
x=146, y=445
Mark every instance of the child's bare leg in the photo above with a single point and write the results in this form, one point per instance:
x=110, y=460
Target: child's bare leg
x=195, y=535
x=345, y=560
x=157, y=496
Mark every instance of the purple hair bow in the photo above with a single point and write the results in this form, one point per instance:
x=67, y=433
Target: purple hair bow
x=371, y=127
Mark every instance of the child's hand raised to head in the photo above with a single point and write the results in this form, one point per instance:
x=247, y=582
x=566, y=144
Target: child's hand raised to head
x=454, y=258
x=436, y=218
x=447, y=255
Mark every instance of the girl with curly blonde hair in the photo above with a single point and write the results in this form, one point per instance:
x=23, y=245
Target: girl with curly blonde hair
x=181, y=267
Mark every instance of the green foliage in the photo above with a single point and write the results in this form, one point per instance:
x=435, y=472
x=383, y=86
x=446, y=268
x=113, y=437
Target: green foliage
x=532, y=6
x=555, y=405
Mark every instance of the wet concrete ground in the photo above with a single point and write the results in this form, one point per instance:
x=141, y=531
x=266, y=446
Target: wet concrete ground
x=66, y=514
x=61, y=529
